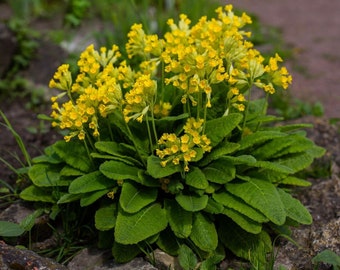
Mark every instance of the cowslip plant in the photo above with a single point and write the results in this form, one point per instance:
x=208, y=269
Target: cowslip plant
x=168, y=149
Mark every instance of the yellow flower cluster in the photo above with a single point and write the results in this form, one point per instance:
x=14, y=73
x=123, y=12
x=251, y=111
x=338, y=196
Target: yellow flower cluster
x=193, y=62
x=96, y=89
x=185, y=148
x=140, y=98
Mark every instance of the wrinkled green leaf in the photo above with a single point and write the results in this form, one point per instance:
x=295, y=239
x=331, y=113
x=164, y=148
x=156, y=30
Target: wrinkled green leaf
x=262, y=196
x=258, y=138
x=225, y=198
x=133, y=228
x=221, y=150
x=179, y=219
x=155, y=169
x=105, y=217
x=90, y=198
x=45, y=175
x=134, y=197
x=124, y=253
x=203, y=233
x=118, y=170
x=294, y=209
x=93, y=181
x=74, y=154
x=244, y=244
x=243, y=221
x=329, y=257
x=220, y=171
x=196, y=178
x=192, y=202
x=37, y=194
x=220, y=128
x=187, y=258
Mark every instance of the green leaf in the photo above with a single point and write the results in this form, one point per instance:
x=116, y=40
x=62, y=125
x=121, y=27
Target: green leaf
x=70, y=171
x=222, y=149
x=262, y=196
x=295, y=210
x=211, y=262
x=168, y=242
x=124, y=253
x=300, y=161
x=133, y=228
x=220, y=171
x=93, y=181
x=273, y=166
x=114, y=149
x=294, y=181
x=196, y=178
x=119, y=170
x=37, y=194
x=220, y=128
x=105, y=217
x=225, y=198
x=66, y=198
x=244, y=244
x=44, y=175
x=203, y=233
x=134, y=197
x=192, y=202
x=242, y=159
x=329, y=257
x=213, y=207
x=258, y=138
x=187, y=258
x=74, y=154
x=10, y=229
x=243, y=221
x=155, y=169
x=179, y=219
x=90, y=198
x=28, y=222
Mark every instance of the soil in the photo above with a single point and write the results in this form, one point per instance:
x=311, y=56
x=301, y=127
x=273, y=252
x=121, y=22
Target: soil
x=311, y=27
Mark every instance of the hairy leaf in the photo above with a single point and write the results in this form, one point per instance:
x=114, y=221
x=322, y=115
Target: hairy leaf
x=114, y=149
x=204, y=233
x=220, y=171
x=196, y=178
x=243, y=221
x=90, y=198
x=273, y=166
x=262, y=196
x=225, y=198
x=168, y=242
x=192, y=202
x=187, y=258
x=74, y=154
x=37, y=194
x=133, y=228
x=118, y=170
x=220, y=128
x=93, y=181
x=45, y=175
x=258, y=138
x=221, y=150
x=179, y=219
x=244, y=244
x=155, y=169
x=295, y=210
x=294, y=181
x=105, y=217
x=134, y=197
x=124, y=253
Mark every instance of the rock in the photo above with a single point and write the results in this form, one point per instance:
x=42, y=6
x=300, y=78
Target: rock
x=164, y=261
x=94, y=259
x=16, y=212
x=14, y=258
